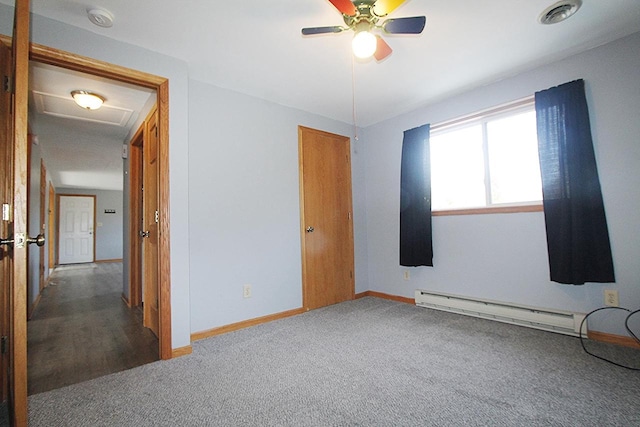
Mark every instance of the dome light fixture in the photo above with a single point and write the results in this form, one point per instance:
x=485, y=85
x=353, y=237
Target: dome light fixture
x=87, y=100
x=559, y=11
x=364, y=44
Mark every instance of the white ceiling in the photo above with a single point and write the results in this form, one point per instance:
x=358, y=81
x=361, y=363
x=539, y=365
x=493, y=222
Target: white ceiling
x=255, y=46
x=82, y=149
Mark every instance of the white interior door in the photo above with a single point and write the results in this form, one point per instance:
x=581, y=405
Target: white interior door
x=76, y=229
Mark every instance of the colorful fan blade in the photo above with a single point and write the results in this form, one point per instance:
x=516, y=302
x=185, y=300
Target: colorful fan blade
x=382, y=50
x=413, y=25
x=321, y=30
x=385, y=7
x=344, y=6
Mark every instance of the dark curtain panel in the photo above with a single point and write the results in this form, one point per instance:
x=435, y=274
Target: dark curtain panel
x=415, y=199
x=577, y=235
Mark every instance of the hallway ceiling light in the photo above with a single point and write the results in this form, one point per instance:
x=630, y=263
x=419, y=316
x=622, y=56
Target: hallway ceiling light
x=88, y=100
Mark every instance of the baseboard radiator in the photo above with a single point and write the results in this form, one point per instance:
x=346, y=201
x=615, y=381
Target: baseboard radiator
x=562, y=322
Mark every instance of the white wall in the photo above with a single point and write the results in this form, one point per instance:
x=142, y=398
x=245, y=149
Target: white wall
x=55, y=34
x=244, y=207
x=34, y=226
x=504, y=256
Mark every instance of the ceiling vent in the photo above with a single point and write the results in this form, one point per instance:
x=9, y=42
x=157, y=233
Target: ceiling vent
x=100, y=17
x=559, y=11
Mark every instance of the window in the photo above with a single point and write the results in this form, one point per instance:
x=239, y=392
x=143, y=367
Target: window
x=486, y=160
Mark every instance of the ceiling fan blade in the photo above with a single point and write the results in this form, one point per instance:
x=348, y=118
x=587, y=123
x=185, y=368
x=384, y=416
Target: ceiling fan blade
x=385, y=7
x=344, y=6
x=413, y=25
x=382, y=49
x=321, y=30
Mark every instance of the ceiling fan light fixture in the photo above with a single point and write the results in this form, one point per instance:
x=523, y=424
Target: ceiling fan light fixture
x=559, y=11
x=364, y=44
x=87, y=100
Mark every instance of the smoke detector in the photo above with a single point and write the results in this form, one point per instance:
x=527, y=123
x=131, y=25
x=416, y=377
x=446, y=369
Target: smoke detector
x=100, y=17
x=559, y=11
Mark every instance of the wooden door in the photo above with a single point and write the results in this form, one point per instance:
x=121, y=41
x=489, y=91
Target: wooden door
x=13, y=190
x=43, y=199
x=151, y=219
x=51, y=235
x=327, y=229
x=6, y=178
x=75, y=231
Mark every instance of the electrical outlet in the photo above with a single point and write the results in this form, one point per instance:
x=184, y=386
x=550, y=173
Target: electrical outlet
x=246, y=291
x=611, y=298
x=406, y=275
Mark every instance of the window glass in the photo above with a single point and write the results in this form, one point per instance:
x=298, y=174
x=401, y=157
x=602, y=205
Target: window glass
x=457, y=169
x=513, y=159
x=491, y=160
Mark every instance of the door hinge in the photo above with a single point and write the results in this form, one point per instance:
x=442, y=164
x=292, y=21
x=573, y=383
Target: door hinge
x=349, y=215
x=6, y=84
x=6, y=212
x=157, y=217
x=3, y=344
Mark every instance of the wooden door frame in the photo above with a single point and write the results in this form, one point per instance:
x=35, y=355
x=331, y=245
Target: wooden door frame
x=135, y=217
x=95, y=205
x=51, y=234
x=71, y=61
x=303, y=244
x=41, y=226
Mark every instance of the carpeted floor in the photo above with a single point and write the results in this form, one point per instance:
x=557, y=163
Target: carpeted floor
x=368, y=362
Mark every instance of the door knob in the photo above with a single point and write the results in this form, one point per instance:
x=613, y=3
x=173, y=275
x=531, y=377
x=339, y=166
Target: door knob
x=38, y=240
x=20, y=240
x=310, y=229
x=144, y=234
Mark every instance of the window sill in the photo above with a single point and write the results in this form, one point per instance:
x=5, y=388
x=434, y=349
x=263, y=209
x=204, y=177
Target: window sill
x=490, y=210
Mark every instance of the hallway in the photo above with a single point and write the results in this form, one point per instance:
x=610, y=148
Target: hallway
x=82, y=329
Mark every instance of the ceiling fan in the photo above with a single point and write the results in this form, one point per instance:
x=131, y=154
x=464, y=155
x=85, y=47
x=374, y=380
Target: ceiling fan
x=363, y=16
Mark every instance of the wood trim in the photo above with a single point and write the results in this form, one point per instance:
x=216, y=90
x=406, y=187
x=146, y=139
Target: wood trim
x=126, y=301
x=245, y=324
x=386, y=296
x=135, y=216
x=613, y=339
x=181, y=351
x=164, y=249
x=33, y=306
x=490, y=210
x=102, y=261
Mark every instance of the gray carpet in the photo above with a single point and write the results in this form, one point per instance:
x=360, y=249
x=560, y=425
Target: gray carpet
x=368, y=362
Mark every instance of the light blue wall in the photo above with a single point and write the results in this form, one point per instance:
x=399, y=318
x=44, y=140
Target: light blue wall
x=244, y=205
x=504, y=256
x=55, y=34
x=235, y=199
x=108, y=227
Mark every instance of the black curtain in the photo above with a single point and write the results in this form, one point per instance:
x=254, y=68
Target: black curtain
x=577, y=235
x=415, y=199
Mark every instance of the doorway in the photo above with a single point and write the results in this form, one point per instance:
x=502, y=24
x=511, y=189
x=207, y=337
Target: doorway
x=75, y=229
x=326, y=215
x=94, y=67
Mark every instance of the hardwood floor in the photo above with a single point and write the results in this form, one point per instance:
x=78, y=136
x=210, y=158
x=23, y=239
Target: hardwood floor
x=82, y=329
